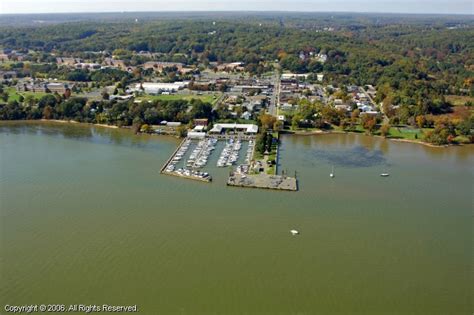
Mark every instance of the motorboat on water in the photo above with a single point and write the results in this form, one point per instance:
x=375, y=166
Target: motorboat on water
x=385, y=174
x=294, y=232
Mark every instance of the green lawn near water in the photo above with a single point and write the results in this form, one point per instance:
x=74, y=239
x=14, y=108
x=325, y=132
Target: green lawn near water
x=208, y=98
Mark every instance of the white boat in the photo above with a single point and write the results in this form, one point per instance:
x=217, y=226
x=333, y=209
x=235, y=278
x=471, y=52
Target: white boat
x=294, y=232
x=385, y=174
x=332, y=173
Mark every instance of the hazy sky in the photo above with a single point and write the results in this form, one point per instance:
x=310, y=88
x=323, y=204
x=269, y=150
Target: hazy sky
x=398, y=6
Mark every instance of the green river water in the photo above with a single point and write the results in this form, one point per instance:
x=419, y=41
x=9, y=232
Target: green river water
x=86, y=218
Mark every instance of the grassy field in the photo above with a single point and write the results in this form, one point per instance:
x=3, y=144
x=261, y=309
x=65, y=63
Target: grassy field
x=458, y=100
x=208, y=98
x=407, y=133
x=395, y=132
x=14, y=95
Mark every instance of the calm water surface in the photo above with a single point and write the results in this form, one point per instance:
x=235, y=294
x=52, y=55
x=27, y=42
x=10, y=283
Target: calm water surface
x=87, y=218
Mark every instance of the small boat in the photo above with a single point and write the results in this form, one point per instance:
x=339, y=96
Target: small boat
x=294, y=232
x=332, y=173
x=385, y=174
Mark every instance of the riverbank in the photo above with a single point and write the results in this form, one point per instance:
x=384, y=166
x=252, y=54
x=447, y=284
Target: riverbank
x=75, y=122
x=329, y=132
x=291, y=132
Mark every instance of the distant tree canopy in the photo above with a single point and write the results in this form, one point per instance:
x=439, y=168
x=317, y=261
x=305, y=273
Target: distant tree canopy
x=415, y=57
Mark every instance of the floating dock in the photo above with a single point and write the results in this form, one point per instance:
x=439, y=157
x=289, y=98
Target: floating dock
x=205, y=180
x=174, y=173
x=263, y=181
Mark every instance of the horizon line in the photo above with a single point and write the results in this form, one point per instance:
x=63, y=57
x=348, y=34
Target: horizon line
x=234, y=11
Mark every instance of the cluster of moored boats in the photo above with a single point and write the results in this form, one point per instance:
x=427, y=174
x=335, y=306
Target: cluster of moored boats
x=200, y=154
x=178, y=156
x=250, y=148
x=197, y=159
x=193, y=173
x=242, y=169
x=230, y=153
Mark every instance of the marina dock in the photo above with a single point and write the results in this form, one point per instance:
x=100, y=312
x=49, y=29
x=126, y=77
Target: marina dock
x=172, y=156
x=206, y=180
x=170, y=169
x=189, y=166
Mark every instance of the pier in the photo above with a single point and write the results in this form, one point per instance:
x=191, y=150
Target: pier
x=172, y=156
x=205, y=180
x=263, y=181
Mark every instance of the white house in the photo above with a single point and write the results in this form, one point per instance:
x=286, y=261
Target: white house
x=246, y=115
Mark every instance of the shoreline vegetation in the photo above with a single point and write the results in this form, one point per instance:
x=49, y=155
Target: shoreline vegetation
x=288, y=132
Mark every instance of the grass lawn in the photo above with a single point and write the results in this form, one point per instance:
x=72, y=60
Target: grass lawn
x=462, y=139
x=208, y=98
x=407, y=133
x=458, y=100
x=271, y=170
x=395, y=132
x=14, y=95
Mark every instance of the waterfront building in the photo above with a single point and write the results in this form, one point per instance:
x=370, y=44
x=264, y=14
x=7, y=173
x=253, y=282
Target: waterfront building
x=245, y=128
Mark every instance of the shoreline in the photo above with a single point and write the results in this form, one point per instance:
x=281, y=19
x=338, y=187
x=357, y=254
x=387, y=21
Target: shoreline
x=72, y=122
x=288, y=132
x=321, y=132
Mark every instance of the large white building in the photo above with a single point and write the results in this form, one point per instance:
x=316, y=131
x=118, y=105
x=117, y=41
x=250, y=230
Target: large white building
x=247, y=128
x=155, y=88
